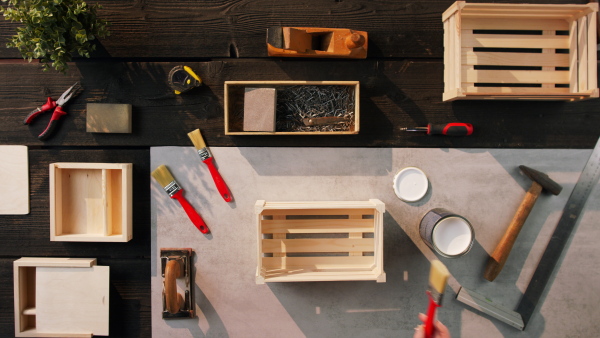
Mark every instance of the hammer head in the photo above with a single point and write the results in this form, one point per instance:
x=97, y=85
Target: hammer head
x=543, y=180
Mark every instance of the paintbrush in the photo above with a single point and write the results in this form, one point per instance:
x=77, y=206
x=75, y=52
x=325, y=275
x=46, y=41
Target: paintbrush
x=167, y=181
x=207, y=158
x=438, y=276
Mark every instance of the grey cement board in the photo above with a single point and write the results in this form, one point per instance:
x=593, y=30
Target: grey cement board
x=483, y=185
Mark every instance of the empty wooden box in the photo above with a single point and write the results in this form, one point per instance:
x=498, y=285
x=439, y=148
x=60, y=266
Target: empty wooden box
x=320, y=241
x=60, y=297
x=520, y=51
x=234, y=106
x=90, y=202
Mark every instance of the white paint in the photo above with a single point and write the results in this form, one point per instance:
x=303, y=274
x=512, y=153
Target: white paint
x=410, y=184
x=452, y=236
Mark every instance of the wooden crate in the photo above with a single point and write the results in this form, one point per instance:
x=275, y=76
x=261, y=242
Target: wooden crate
x=320, y=241
x=234, y=95
x=520, y=51
x=60, y=297
x=90, y=202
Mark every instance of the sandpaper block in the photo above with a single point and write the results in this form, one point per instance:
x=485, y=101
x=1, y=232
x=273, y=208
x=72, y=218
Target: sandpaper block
x=108, y=118
x=260, y=105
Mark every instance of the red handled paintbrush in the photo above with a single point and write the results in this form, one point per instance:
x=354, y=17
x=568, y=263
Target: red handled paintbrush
x=167, y=181
x=207, y=158
x=438, y=277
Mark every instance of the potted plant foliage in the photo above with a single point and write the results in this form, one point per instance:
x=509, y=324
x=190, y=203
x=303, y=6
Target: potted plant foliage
x=53, y=30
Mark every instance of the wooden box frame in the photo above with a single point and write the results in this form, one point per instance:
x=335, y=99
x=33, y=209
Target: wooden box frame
x=229, y=102
x=94, y=306
x=495, y=64
x=319, y=241
x=91, y=202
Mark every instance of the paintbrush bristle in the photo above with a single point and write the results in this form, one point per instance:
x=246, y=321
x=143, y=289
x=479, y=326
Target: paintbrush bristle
x=438, y=277
x=197, y=139
x=163, y=175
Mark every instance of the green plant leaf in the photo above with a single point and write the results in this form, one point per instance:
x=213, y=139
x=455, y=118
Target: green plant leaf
x=54, y=29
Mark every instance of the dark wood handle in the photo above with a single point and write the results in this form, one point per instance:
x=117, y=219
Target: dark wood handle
x=172, y=272
x=500, y=255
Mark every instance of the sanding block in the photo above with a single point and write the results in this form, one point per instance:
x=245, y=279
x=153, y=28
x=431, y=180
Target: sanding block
x=108, y=118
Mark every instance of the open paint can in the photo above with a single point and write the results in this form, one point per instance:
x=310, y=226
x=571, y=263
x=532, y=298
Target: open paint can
x=448, y=234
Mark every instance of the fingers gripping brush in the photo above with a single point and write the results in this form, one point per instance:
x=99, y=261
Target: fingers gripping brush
x=207, y=158
x=165, y=179
x=438, y=276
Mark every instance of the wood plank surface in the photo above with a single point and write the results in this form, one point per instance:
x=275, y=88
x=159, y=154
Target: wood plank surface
x=228, y=28
x=394, y=94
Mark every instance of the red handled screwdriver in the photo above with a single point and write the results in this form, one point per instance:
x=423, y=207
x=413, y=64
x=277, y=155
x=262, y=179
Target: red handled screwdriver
x=450, y=129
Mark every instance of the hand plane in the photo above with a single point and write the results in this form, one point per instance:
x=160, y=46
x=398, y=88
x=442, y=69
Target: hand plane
x=317, y=42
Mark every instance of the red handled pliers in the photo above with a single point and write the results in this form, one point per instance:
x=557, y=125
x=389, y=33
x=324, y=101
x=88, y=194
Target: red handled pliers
x=58, y=111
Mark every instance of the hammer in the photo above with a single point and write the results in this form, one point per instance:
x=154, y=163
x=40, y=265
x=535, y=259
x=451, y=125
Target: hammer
x=500, y=254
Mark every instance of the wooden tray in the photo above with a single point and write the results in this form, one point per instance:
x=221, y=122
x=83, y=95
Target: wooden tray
x=60, y=297
x=90, y=202
x=520, y=51
x=320, y=241
x=234, y=104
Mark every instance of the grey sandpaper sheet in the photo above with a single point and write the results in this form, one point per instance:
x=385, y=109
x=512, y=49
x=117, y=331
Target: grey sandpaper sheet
x=483, y=185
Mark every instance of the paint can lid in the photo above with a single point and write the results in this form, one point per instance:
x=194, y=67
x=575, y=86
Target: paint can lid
x=410, y=184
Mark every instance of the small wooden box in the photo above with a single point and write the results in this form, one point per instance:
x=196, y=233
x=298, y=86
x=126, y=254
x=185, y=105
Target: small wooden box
x=91, y=202
x=520, y=51
x=60, y=297
x=320, y=241
x=234, y=106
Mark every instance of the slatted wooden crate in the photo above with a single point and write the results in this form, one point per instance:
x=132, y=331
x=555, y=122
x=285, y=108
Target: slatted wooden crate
x=320, y=241
x=520, y=51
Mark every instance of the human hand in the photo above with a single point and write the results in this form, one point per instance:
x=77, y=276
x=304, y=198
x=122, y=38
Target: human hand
x=440, y=330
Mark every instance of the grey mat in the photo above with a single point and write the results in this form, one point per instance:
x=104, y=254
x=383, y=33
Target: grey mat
x=483, y=185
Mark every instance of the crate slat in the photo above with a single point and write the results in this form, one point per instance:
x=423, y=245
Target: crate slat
x=317, y=245
x=312, y=226
x=318, y=212
x=470, y=57
x=514, y=24
x=470, y=39
x=517, y=90
x=319, y=263
x=516, y=76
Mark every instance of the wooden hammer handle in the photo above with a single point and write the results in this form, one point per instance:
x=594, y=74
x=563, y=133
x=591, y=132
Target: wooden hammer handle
x=500, y=254
x=172, y=272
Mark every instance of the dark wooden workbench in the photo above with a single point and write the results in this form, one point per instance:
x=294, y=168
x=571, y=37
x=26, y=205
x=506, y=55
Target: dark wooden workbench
x=401, y=86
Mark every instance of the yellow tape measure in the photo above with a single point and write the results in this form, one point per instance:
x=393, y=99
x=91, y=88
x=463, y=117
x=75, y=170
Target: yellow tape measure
x=182, y=79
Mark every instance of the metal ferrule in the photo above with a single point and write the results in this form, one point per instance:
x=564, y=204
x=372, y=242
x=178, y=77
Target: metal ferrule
x=204, y=153
x=436, y=296
x=172, y=188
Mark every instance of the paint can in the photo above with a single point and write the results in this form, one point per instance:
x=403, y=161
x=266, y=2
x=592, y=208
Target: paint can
x=447, y=233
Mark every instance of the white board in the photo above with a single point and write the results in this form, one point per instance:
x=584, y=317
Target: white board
x=14, y=180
